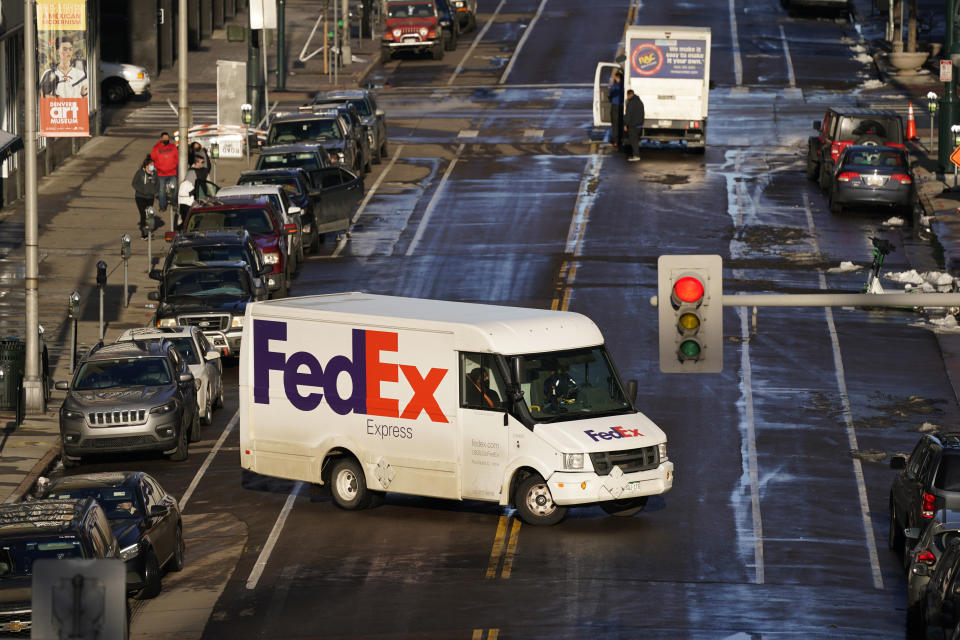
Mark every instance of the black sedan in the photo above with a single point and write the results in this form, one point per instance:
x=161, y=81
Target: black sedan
x=872, y=176
x=145, y=520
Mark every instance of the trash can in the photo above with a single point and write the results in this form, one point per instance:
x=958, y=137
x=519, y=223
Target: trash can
x=13, y=352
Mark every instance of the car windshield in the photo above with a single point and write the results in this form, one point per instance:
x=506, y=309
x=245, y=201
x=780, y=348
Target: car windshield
x=290, y=186
x=187, y=349
x=306, y=159
x=362, y=107
x=206, y=283
x=875, y=157
x=256, y=221
x=571, y=385
x=122, y=372
x=207, y=253
x=304, y=131
x=409, y=10
x=119, y=503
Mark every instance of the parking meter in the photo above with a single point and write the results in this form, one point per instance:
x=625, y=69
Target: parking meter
x=215, y=149
x=246, y=113
x=932, y=102
x=125, y=246
x=125, y=254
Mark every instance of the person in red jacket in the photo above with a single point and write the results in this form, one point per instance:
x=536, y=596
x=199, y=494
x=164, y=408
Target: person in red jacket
x=165, y=158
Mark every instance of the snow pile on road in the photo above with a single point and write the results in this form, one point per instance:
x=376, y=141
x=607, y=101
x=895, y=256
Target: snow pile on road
x=927, y=427
x=845, y=267
x=926, y=282
x=895, y=221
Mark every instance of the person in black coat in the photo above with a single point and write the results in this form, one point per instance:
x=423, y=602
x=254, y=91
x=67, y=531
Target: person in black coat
x=145, y=192
x=633, y=123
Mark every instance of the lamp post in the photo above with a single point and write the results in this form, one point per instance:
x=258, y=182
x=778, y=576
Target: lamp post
x=948, y=103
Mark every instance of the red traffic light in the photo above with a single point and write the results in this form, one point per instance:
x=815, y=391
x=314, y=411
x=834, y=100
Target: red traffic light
x=688, y=289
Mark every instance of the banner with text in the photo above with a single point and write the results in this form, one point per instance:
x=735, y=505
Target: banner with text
x=668, y=58
x=62, y=63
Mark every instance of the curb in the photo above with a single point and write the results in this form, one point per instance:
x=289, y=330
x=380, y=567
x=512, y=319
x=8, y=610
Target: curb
x=42, y=466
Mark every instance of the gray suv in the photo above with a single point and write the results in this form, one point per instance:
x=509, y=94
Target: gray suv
x=130, y=396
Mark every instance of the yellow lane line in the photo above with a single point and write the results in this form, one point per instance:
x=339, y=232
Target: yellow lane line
x=511, y=550
x=497, y=547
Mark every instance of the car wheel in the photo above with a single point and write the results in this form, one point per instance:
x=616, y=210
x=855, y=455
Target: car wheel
x=895, y=537
x=207, y=416
x=813, y=168
x=472, y=23
x=534, y=503
x=437, y=51
x=300, y=256
x=383, y=148
x=377, y=157
x=116, y=90
x=385, y=54
x=824, y=180
x=151, y=577
x=449, y=43
x=348, y=485
x=624, y=508
x=835, y=207
x=182, y=447
x=179, y=550
x=218, y=403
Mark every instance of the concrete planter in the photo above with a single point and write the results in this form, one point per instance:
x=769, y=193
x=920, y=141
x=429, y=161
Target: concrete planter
x=906, y=62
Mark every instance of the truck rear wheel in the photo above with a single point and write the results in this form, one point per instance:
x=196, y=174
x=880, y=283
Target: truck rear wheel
x=535, y=504
x=348, y=485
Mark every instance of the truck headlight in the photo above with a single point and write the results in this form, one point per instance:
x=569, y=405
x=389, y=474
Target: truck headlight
x=167, y=322
x=662, y=449
x=573, y=461
x=236, y=321
x=130, y=552
x=271, y=258
x=164, y=408
x=423, y=32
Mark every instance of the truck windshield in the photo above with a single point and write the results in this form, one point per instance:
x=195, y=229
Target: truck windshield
x=571, y=385
x=206, y=283
x=305, y=159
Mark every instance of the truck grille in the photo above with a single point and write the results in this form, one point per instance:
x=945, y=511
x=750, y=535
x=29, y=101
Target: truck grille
x=206, y=322
x=117, y=418
x=15, y=619
x=124, y=441
x=629, y=461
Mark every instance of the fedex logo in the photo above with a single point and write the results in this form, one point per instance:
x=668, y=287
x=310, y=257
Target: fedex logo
x=307, y=382
x=614, y=434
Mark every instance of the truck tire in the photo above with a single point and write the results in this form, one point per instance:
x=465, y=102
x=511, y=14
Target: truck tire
x=450, y=44
x=385, y=54
x=813, y=168
x=535, y=505
x=437, y=51
x=348, y=486
x=624, y=508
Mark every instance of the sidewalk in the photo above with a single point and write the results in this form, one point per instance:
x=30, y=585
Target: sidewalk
x=87, y=204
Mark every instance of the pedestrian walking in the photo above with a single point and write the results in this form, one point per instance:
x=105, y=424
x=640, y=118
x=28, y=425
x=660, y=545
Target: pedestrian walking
x=633, y=124
x=145, y=192
x=197, y=150
x=165, y=159
x=186, y=193
x=615, y=93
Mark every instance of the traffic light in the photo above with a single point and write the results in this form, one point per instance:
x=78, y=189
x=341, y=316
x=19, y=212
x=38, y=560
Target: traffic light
x=690, y=311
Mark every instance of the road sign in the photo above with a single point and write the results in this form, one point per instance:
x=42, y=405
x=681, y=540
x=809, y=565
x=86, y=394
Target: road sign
x=946, y=71
x=955, y=157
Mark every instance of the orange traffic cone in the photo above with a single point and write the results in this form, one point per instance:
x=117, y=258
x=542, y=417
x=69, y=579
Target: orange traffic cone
x=911, y=125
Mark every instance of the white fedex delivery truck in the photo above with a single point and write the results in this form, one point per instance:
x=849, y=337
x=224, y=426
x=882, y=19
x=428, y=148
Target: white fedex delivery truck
x=669, y=69
x=370, y=393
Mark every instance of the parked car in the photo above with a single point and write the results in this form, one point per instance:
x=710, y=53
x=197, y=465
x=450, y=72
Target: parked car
x=132, y=396
x=412, y=25
x=873, y=176
x=926, y=547
x=466, y=14
x=928, y=481
x=144, y=518
x=326, y=128
x=842, y=128
x=119, y=81
x=310, y=156
x=939, y=605
x=449, y=24
x=264, y=223
x=372, y=116
x=212, y=296
x=53, y=529
x=299, y=187
x=358, y=131
x=202, y=358
x=289, y=212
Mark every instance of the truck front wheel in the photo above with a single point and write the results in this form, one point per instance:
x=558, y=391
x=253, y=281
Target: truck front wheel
x=348, y=485
x=535, y=504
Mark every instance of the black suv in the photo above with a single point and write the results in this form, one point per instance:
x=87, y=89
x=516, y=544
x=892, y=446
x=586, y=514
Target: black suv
x=327, y=128
x=373, y=117
x=144, y=518
x=929, y=480
x=129, y=396
x=54, y=529
x=842, y=128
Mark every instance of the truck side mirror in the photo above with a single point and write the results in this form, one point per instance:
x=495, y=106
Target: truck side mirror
x=898, y=462
x=632, y=390
x=153, y=295
x=816, y=125
x=62, y=386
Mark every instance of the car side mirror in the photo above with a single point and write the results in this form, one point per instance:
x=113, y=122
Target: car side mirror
x=816, y=125
x=898, y=462
x=212, y=355
x=186, y=377
x=156, y=274
x=153, y=295
x=294, y=210
x=159, y=510
x=62, y=386
x=913, y=533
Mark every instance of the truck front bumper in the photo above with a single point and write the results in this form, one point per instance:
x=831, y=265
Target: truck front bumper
x=227, y=342
x=586, y=488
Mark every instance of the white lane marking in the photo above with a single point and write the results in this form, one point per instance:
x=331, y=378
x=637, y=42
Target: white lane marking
x=735, y=40
x=786, y=55
x=206, y=463
x=366, y=198
x=751, y=442
x=476, y=41
x=264, y=556
x=871, y=542
x=433, y=202
x=523, y=39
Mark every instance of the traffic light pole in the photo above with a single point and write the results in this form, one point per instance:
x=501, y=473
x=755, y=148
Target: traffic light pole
x=948, y=103
x=842, y=300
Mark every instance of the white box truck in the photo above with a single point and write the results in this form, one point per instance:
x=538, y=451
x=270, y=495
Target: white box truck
x=369, y=394
x=669, y=69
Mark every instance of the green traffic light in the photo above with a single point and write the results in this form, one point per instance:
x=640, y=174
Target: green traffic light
x=689, y=350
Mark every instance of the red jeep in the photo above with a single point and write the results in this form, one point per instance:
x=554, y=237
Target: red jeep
x=412, y=25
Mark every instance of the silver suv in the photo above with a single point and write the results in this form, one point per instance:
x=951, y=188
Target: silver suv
x=130, y=396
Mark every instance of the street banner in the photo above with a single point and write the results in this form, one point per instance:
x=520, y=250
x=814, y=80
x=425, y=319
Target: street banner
x=668, y=58
x=62, y=63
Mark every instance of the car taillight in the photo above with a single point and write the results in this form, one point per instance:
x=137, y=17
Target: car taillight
x=926, y=557
x=847, y=176
x=927, y=504
x=902, y=178
x=837, y=147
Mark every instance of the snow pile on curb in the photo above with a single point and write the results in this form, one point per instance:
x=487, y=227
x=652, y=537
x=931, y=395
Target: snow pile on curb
x=926, y=282
x=845, y=267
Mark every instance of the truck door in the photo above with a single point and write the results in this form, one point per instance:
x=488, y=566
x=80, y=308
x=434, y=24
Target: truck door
x=601, y=99
x=484, y=435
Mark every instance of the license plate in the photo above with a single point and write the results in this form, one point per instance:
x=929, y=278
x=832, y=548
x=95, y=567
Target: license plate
x=664, y=123
x=874, y=180
x=411, y=39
